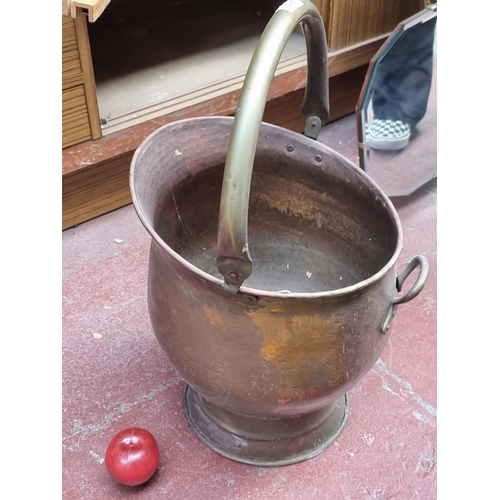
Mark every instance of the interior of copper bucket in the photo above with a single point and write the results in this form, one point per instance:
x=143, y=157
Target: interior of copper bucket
x=316, y=222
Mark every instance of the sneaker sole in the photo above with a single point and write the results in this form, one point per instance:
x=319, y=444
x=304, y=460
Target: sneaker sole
x=388, y=144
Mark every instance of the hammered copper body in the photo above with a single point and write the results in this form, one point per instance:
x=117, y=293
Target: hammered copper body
x=268, y=359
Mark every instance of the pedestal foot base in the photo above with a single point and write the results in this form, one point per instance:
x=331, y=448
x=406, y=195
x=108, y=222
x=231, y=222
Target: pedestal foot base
x=264, y=441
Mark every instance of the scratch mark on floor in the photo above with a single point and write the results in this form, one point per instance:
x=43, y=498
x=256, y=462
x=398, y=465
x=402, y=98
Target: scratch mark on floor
x=98, y=458
x=422, y=418
x=429, y=408
x=80, y=429
x=389, y=389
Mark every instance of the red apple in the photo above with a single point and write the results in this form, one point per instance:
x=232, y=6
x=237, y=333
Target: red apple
x=132, y=456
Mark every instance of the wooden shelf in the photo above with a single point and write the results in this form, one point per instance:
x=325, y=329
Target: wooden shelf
x=177, y=54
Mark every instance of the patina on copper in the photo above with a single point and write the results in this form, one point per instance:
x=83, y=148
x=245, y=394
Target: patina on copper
x=268, y=359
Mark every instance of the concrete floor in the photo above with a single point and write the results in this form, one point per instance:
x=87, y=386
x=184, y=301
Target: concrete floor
x=115, y=375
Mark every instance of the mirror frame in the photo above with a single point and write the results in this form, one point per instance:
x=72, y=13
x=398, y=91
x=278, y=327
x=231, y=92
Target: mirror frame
x=425, y=15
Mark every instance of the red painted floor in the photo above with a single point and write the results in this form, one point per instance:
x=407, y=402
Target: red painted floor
x=115, y=375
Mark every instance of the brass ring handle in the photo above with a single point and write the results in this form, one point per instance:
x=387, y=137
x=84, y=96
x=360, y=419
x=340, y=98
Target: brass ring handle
x=233, y=256
x=423, y=264
x=417, y=261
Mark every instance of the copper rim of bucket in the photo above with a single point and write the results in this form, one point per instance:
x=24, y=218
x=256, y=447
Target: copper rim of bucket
x=361, y=285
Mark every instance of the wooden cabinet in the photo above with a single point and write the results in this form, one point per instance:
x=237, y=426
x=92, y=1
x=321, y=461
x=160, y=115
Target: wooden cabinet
x=75, y=117
x=156, y=62
x=80, y=118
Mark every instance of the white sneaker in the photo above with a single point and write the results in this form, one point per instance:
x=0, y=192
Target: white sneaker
x=388, y=135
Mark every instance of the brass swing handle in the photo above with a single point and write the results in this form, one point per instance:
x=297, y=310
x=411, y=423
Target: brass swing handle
x=233, y=256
